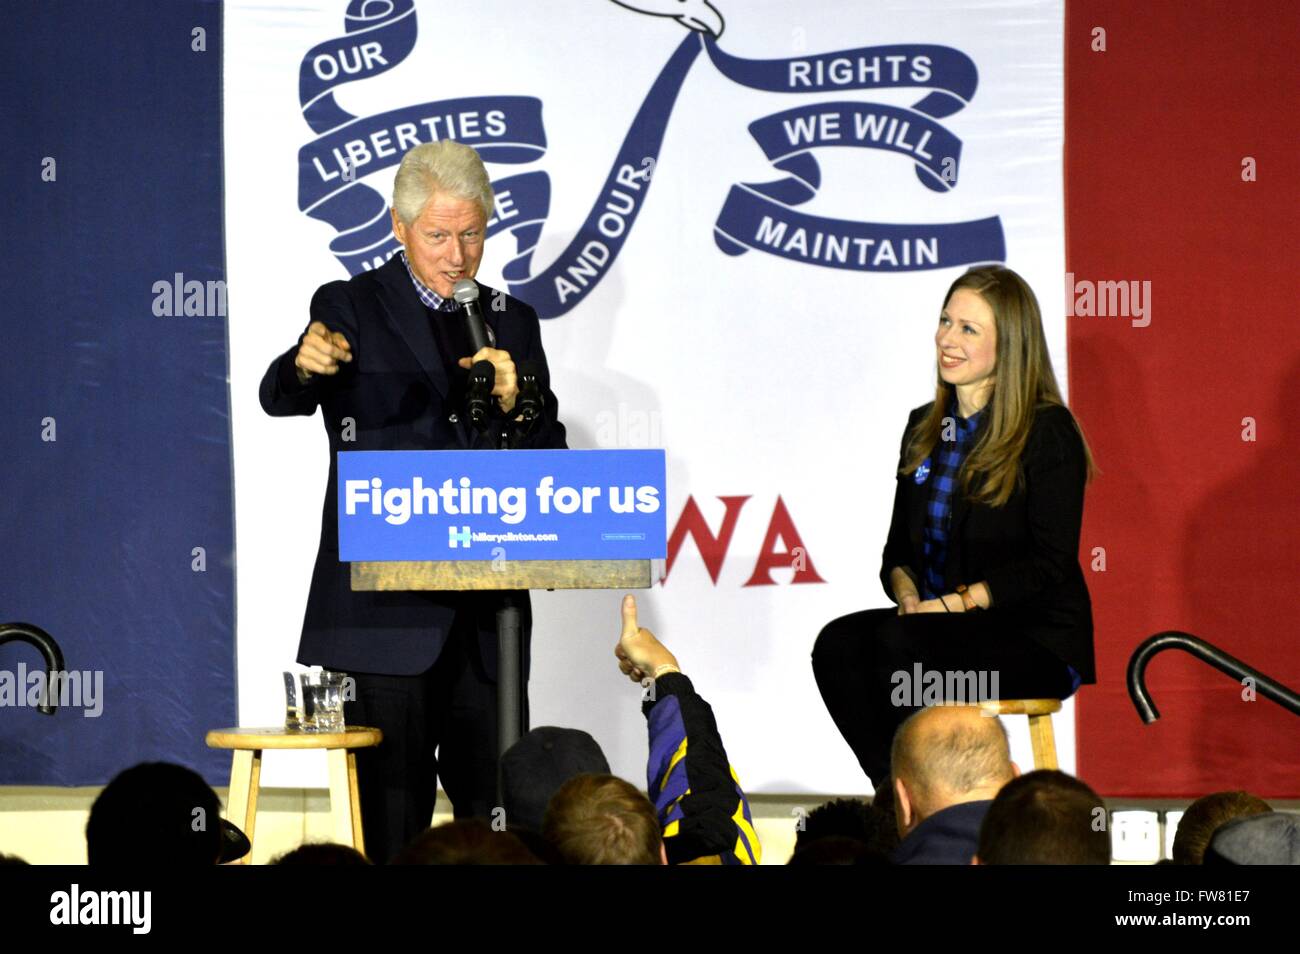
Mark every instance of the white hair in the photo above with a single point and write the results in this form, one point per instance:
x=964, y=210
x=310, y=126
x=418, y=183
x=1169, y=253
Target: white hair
x=442, y=166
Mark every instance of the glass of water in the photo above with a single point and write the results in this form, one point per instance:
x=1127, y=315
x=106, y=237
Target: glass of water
x=292, y=709
x=322, y=701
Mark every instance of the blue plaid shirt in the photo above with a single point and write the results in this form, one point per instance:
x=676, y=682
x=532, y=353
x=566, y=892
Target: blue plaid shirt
x=943, y=465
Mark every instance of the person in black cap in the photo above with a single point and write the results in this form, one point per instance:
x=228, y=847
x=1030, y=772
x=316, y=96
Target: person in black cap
x=703, y=815
x=534, y=768
x=160, y=814
x=1269, y=839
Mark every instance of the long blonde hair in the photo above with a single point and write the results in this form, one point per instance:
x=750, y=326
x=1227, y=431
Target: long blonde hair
x=1023, y=381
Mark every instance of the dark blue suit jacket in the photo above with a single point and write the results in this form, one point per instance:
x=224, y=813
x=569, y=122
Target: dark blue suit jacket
x=394, y=391
x=948, y=837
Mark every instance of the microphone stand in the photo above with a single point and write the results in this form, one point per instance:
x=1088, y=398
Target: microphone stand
x=511, y=700
x=512, y=429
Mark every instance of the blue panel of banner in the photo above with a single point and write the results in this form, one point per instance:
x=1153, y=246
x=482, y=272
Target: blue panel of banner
x=118, y=520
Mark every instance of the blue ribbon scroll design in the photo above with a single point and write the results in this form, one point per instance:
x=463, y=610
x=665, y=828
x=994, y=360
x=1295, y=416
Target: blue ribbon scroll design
x=597, y=243
x=379, y=34
x=761, y=215
x=505, y=129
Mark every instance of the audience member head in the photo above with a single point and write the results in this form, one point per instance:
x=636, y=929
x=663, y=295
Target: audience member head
x=871, y=823
x=470, y=841
x=884, y=820
x=943, y=756
x=161, y=815
x=840, y=817
x=1272, y=838
x=322, y=853
x=1045, y=818
x=534, y=768
x=1205, y=815
x=837, y=850
x=603, y=820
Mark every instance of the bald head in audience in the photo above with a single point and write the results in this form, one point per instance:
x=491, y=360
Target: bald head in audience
x=946, y=755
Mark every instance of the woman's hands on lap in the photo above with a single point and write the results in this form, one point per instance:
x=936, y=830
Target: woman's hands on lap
x=909, y=603
x=933, y=606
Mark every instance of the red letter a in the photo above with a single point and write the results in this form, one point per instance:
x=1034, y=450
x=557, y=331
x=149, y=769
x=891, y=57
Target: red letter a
x=797, y=556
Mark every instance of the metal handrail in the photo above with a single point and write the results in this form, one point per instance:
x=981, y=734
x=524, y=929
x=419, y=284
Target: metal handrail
x=50, y=652
x=1284, y=696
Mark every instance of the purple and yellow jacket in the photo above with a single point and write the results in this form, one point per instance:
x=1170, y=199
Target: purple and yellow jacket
x=695, y=791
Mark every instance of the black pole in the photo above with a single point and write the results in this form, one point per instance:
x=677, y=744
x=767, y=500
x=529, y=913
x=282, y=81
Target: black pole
x=510, y=680
x=510, y=677
x=48, y=648
x=1175, y=639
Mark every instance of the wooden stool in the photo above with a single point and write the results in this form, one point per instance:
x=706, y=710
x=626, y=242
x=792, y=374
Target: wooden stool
x=1040, y=724
x=246, y=773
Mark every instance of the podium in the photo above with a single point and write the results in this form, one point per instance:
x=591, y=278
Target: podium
x=504, y=575
x=504, y=521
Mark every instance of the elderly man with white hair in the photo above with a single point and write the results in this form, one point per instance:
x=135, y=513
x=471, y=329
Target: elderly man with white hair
x=386, y=358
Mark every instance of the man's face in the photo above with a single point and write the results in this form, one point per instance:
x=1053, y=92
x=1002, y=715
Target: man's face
x=445, y=242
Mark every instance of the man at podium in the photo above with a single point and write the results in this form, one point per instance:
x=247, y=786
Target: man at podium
x=386, y=357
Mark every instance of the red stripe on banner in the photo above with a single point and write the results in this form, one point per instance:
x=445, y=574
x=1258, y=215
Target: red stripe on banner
x=1198, y=526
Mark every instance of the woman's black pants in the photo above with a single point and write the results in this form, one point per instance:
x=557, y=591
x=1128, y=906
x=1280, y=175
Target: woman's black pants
x=875, y=668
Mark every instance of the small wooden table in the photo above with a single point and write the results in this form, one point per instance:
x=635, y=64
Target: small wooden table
x=246, y=773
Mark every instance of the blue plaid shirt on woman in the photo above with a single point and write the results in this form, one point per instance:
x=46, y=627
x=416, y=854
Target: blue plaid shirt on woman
x=944, y=462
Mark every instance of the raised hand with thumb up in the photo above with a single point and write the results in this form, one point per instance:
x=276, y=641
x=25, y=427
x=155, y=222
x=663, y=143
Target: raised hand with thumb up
x=640, y=654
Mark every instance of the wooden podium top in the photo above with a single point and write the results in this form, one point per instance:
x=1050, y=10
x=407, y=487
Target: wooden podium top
x=502, y=575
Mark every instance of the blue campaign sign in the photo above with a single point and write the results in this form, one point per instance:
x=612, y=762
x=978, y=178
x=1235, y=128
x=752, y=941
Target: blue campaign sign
x=518, y=504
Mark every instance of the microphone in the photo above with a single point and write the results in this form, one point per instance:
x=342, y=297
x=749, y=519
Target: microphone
x=529, y=403
x=478, y=396
x=466, y=294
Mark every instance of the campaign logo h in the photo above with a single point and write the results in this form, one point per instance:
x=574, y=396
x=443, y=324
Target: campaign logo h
x=458, y=537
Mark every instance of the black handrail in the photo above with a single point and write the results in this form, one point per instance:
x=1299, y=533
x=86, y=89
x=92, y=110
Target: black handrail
x=1287, y=698
x=50, y=652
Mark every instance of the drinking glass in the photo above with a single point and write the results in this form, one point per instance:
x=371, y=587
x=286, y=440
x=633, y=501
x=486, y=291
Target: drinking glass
x=322, y=701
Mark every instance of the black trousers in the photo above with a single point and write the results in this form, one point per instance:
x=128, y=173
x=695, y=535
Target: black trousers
x=856, y=659
x=440, y=722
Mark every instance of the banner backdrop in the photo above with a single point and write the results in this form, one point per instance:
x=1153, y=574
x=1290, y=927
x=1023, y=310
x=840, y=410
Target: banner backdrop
x=116, y=480
x=737, y=222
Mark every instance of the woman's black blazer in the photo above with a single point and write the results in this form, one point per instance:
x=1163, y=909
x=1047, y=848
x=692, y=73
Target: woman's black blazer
x=1026, y=551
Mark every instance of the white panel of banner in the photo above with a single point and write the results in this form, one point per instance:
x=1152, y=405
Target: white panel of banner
x=762, y=309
